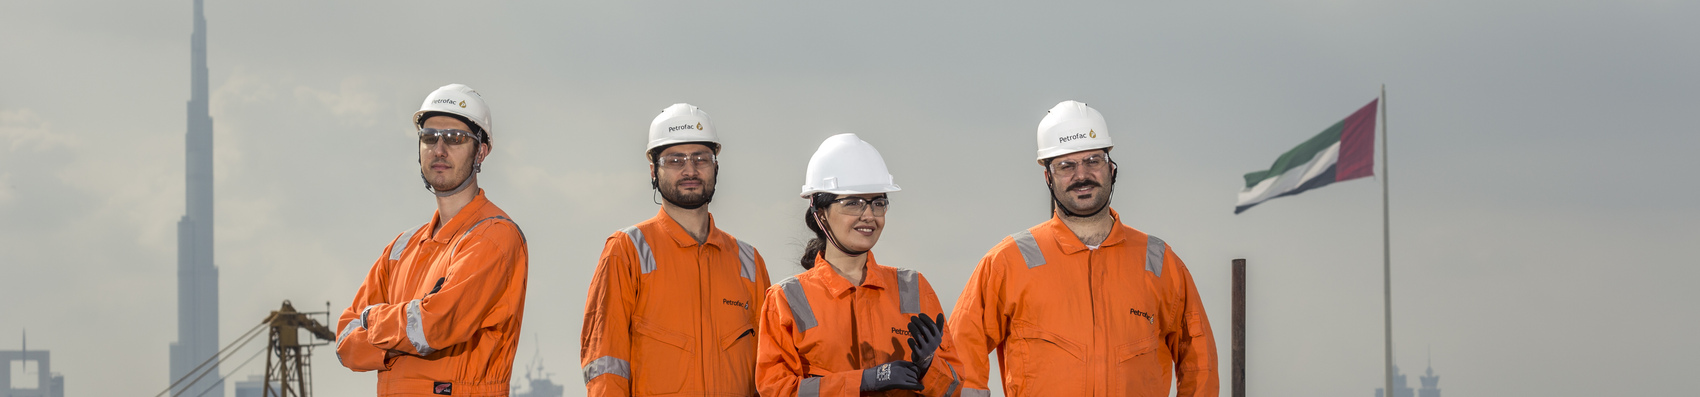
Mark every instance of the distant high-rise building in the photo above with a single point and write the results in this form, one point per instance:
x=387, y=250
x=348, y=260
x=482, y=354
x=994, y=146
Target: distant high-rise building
x=29, y=373
x=1431, y=384
x=197, y=278
x=1399, y=388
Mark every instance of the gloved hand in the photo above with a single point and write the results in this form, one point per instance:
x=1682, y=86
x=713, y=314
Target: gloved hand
x=925, y=335
x=893, y=375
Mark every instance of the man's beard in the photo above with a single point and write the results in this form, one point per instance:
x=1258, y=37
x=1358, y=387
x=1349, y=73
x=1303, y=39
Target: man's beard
x=1100, y=200
x=464, y=173
x=689, y=201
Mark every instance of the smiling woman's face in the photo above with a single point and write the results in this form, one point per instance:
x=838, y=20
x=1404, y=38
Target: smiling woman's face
x=855, y=232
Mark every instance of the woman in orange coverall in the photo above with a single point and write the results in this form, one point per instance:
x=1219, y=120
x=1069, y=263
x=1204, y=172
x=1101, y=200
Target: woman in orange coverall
x=847, y=325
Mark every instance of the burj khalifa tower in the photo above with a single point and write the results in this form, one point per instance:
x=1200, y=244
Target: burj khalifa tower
x=197, y=277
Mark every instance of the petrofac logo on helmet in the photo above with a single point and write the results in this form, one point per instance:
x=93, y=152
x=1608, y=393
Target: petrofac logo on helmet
x=1066, y=138
x=447, y=101
x=698, y=127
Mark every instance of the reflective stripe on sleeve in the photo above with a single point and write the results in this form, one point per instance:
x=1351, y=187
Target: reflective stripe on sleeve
x=809, y=387
x=645, y=257
x=608, y=365
x=747, y=258
x=416, y=329
x=955, y=382
x=908, y=291
x=352, y=324
x=800, y=311
x=1154, y=255
x=1029, y=248
x=972, y=392
x=401, y=243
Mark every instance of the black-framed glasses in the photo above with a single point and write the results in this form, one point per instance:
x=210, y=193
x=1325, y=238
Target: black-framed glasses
x=855, y=205
x=679, y=161
x=452, y=137
x=1093, y=163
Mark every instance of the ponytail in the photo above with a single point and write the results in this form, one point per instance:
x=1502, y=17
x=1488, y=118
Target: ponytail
x=817, y=244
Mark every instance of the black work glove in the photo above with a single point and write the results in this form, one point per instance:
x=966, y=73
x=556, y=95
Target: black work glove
x=893, y=375
x=925, y=335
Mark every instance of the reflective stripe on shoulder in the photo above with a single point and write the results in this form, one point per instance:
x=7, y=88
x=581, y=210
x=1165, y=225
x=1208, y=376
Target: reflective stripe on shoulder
x=1154, y=249
x=1029, y=248
x=908, y=291
x=401, y=243
x=800, y=311
x=469, y=230
x=606, y=365
x=646, y=258
x=809, y=387
x=416, y=329
x=747, y=258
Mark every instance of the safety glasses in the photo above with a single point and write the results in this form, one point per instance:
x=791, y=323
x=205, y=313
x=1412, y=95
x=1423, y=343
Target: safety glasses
x=452, y=137
x=1067, y=168
x=679, y=161
x=855, y=205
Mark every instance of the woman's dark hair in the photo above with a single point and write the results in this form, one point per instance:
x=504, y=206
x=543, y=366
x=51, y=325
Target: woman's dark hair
x=818, y=202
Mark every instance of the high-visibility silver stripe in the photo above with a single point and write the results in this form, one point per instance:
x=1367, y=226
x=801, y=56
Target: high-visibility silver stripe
x=954, y=381
x=606, y=365
x=809, y=387
x=972, y=392
x=908, y=291
x=469, y=230
x=1154, y=249
x=747, y=258
x=800, y=311
x=364, y=312
x=416, y=329
x=401, y=243
x=356, y=323
x=1029, y=248
x=645, y=257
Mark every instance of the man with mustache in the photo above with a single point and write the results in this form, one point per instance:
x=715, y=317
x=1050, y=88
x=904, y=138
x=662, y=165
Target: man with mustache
x=1083, y=305
x=673, y=306
x=439, y=313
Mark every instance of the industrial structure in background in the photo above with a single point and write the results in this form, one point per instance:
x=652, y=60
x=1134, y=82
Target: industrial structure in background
x=288, y=371
x=1431, y=385
x=29, y=373
x=197, y=277
x=537, y=382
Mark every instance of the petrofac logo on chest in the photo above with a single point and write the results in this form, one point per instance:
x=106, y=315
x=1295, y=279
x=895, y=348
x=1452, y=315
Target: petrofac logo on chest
x=1147, y=316
x=744, y=305
x=899, y=331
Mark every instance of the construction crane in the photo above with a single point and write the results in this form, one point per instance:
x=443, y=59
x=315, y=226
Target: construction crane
x=287, y=359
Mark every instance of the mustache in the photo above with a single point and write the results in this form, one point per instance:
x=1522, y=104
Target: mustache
x=683, y=180
x=1085, y=183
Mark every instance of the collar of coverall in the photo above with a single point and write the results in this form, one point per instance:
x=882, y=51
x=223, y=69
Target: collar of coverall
x=715, y=238
x=462, y=219
x=1071, y=244
x=875, y=276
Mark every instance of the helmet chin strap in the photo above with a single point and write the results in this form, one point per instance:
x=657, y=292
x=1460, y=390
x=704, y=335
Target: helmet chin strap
x=821, y=220
x=463, y=184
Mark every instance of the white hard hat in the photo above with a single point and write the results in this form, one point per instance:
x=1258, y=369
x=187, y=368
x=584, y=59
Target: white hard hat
x=1072, y=127
x=455, y=99
x=845, y=164
x=681, y=123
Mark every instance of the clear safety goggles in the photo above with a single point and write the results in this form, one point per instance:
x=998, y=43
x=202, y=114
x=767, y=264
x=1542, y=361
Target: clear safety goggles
x=452, y=137
x=679, y=161
x=855, y=205
x=1067, y=168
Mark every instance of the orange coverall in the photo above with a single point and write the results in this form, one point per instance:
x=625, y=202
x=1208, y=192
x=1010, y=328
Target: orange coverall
x=1069, y=320
x=666, y=315
x=818, y=332
x=440, y=314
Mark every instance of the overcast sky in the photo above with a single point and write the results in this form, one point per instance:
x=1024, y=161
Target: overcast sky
x=1543, y=187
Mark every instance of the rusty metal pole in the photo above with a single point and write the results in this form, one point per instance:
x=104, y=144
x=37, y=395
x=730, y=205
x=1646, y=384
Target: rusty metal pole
x=1239, y=328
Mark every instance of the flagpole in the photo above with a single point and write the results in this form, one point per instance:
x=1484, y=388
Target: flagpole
x=1386, y=248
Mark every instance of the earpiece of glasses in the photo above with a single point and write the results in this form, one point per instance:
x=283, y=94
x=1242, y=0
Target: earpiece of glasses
x=453, y=137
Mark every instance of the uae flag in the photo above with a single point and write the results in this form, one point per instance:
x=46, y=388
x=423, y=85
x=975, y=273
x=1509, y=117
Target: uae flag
x=1343, y=152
